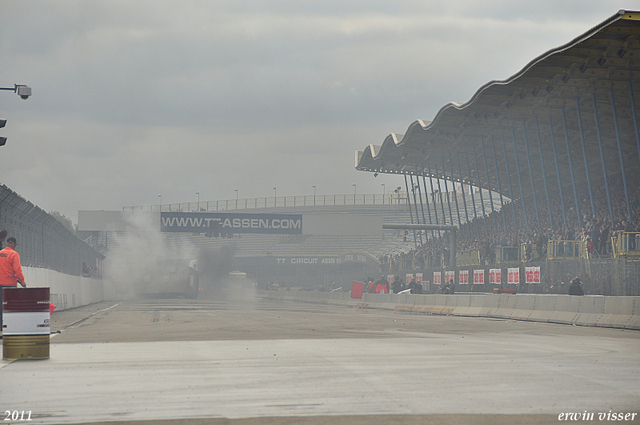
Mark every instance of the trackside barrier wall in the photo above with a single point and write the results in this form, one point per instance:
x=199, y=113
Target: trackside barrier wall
x=66, y=291
x=463, y=302
x=506, y=306
x=591, y=309
x=490, y=306
x=544, y=306
x=588, y=310
x=525, y=305
x=566, y=311
x=477, y=303
x=619, y=312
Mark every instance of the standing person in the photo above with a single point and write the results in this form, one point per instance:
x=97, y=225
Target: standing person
x=10, y=270
x=3, y=236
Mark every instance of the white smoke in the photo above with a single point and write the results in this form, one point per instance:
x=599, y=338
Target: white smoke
x=137, y=250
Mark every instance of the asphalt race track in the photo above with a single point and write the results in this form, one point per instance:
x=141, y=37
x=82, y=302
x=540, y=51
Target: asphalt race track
x=256, y=361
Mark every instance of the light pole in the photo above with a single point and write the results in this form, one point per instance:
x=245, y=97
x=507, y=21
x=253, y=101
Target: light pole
x=160, y=196
x=236, y=191
x=275, y=197
x=384, y=191
x=198, y=205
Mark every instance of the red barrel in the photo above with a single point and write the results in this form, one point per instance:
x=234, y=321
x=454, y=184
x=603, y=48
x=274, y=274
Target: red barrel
x=26, y=323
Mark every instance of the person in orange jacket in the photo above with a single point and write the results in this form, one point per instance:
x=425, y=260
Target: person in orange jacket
x=10, y=267
x=10, y=270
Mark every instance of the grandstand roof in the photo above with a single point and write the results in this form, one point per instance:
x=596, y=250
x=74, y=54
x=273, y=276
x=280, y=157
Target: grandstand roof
x=529, y=113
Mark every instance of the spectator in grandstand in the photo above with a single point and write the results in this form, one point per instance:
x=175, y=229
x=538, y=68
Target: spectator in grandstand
x=576, y=287
x=10, y=270
x=595, y=234
x=3, y=236
x=604, y=239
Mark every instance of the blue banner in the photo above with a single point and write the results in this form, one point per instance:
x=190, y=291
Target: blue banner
x=206, y=222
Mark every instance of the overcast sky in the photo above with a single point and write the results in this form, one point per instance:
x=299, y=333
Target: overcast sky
x=132, y=99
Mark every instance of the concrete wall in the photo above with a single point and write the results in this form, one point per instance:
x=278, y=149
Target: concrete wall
x=66, y=291
x=588, y=310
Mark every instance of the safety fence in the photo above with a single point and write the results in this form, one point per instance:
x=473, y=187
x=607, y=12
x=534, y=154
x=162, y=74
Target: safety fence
x=43, y=241
x=600, y=311
x=599, y=276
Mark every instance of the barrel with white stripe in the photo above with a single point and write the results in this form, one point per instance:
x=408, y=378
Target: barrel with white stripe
x=26, y=323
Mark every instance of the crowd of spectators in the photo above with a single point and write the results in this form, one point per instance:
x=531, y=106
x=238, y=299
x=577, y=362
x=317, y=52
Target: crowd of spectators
x=485, y=234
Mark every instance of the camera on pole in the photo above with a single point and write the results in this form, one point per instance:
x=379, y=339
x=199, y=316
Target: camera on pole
x=3, y=140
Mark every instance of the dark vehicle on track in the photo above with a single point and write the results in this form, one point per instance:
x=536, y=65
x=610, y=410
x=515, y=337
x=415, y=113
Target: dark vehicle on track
x=170, y=278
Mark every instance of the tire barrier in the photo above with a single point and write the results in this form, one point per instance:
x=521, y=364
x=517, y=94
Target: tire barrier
x=588, y=310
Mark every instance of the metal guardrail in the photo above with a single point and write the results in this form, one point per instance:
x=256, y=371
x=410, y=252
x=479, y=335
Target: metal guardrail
x=468, y=258
x=277, y=202
x=567, y=250
x=507, y=255
x=626, y=245
x=391, y=198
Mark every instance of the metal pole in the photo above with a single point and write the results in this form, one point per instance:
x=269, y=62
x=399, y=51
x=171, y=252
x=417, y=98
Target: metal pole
x=406, y=185
x=506, y=163
x=473, y=200
x=464, y=199
x=573, y=180
x=426, y=197
x=424, y=218
x=533, y=186
x=555, y=159
x=584, y=156
x=435, y=207
x=604, y=167
x=544, y=174
x=524, y=206
x=484, y=212
x=446, y=190
x=495, y=161
x=486, y=172
x=624, y=177
x=415, y=204
x=444, y=216
x=455, y=192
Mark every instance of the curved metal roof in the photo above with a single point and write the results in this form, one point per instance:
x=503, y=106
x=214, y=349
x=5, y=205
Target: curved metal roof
x=579, y=94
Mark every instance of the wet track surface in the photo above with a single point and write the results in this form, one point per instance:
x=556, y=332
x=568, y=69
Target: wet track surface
x=257, y=361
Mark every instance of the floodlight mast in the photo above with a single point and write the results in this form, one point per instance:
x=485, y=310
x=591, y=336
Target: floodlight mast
x=23, y=91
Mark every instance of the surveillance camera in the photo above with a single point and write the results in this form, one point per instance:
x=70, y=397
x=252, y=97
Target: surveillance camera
x=23, y=91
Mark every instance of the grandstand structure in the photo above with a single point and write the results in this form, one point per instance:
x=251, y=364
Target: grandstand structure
x=561, y=139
